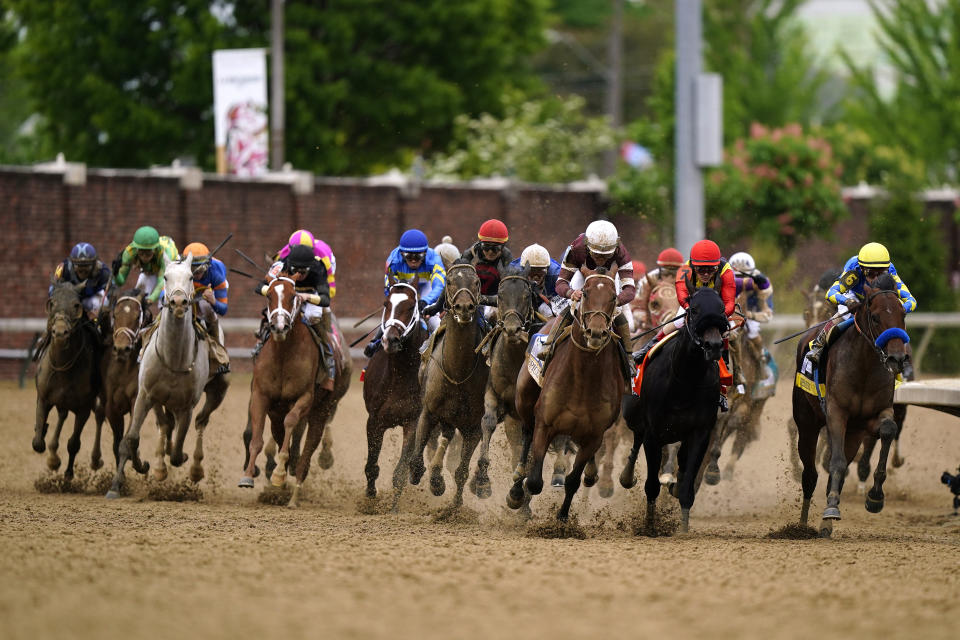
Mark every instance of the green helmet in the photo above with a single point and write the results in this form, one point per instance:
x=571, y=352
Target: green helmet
x=146, y=238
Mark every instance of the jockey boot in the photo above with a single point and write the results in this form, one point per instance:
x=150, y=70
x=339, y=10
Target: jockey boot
x=41, y=346
x=261, y=335
x=816, y=348
x=374, y=345
x=328, y=371
x=638, y=356
x=219, y=358
x=622, y=328
x=566, y=317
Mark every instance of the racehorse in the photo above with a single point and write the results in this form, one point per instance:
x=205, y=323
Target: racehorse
x=582, y=389
x=858, y=398
x=174, y=373
x=453, y=380
x=509, y=340
x=68, y=374
x=391, y=385
x=678, y=402
x=284, y=388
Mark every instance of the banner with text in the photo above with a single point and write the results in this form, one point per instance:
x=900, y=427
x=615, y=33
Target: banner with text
x=241, y=124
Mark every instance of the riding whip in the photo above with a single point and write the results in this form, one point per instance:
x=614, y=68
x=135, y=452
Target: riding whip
x=802, y=331
x=360, y=339
x=220, y=246
x=366, y=317
x=248, y=259
x=659, y=326
x=243, y=273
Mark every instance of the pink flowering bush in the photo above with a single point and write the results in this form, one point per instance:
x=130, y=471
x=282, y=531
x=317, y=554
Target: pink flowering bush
x=780, y=185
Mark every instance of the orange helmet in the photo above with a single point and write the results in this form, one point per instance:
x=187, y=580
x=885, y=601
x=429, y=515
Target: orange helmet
x=199, y=250
x=705, y=253
x=670, y=258
x=493, y=231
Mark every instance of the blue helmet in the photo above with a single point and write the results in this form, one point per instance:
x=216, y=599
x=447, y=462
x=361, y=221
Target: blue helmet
x=83, y=252
x=413, y=240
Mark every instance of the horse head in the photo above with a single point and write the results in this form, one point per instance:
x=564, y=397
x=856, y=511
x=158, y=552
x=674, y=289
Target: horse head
x=596, y=309
x=880, y=319
x=178, y=285
x=515, y=305
x=283, y=305
x=127, y=317
x=64, y=311
x=706, y=322
x=463, y=292
x=663, y=303
x=400, y=314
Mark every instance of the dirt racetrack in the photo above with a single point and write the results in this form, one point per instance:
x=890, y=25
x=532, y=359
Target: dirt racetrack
x=79, y=566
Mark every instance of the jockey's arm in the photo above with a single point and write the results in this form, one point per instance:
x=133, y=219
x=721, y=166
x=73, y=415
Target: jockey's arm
x=157, y=290
x=125, y=261
x=438, y=281
x=728, y=291
x=220, y=287
x=628, y=287
x=680, y=284
x=840, y=293
x=906, y=298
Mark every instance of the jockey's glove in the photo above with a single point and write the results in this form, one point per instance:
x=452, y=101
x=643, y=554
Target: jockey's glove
x=421, y=305
x=323, y=300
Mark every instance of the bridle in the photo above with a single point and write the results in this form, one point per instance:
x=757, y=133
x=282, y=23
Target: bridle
x=451, y=298
x=134, y=335
x=879, y=340
x=524, y=320
x=582, y=316
x=405, y=328
x=167, y=295
x=281, y=311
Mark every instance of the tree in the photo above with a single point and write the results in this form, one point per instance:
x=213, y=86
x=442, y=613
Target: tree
x=921, y=40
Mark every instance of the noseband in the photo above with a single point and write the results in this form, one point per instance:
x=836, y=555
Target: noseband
x=280, y=310
x=127, y=331
x=451, y=298
x=524, y=321
x=167, y=295
x=405, y=328
x=583, y=316
x=879, y=340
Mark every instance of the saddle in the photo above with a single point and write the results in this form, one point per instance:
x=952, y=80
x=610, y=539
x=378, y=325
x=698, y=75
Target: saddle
x=638, y=379
x=809, y=379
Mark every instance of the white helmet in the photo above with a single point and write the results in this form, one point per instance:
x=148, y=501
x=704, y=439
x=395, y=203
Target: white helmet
x=602, y=237
x=448, y=252
x=743, y=262
x=536, y=256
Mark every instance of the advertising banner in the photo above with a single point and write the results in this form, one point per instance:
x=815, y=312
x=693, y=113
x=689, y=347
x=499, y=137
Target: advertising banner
x=241, y=124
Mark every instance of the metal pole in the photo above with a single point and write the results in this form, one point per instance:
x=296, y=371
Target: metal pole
x=689, y=225
x=276, y=85
x=614, y=77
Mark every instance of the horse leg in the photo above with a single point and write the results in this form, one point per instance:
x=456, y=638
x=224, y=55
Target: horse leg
x=99, y=415
x=541, y=439
x=836, y=436
x=214, y=393
x=163, y=448
x=792, y=446
x=887, y=431
x=403, y=469
x=470, y=442
x=73, y=444
x=512, y=427
x=130, y=444
x=424, y=428
x=437, y=485
x=697, y=444
x=516, y=496
x=572, y=481
x=270, y=446
x=899, y=415
x=375, y=432
x=560, y=446
x=668, y=472
x=863, y=466
x=590, y=472
x=316, y=424
x=741, y=438
x=182, y=420
x=253, y=436
x=651, y=486
x=53, y=460
x=40, y=426
x=627, y=476
x=115, y=418
x=291, y=421
x=480, y=485
x=712, y=474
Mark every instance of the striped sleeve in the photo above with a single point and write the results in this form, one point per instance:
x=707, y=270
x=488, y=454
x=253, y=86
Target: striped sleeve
x=909, y=302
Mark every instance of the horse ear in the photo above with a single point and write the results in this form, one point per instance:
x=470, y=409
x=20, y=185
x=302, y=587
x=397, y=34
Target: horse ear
x=188, y=259
x=49, y=305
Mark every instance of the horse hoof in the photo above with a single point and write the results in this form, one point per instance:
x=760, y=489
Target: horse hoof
x=482, y=490
x=515, y=497
x=861, y=488
x=557, y=481
x=53, y=462
x=112, y=495
x=628, y=482
x=437, y=485
x=826, y=529
x=177, y=462
x=897, y=461
x=96, y=464
x=831, y=513
x=589, y=481
x=416, y=471
x=674, y=490
x=160, y=474
x=256, y=471
x=39, y=445
x=325, y=459
x=246, y=482
x=667, y=479
x=605, y=489
x=371, y=492
x=534, y=486
x=710, y=476
x=196, y=474
x=873, y=504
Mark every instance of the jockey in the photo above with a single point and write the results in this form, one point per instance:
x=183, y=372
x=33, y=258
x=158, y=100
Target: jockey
x=413, y=260
x=447, y=251
x=599, y=246
x=210, y=282
x=544, y=271
x=87, y=274
x=489, y=254
x=309, y=274
x=320, y=249
x=872, y=261
x=668, y=262
x=759, y=294
x=150, y=252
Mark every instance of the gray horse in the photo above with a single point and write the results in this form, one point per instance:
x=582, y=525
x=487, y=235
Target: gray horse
x=174, y=373
x=67, y=374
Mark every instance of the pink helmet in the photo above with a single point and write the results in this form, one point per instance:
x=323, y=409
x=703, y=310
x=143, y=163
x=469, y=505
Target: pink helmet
x=300, y=236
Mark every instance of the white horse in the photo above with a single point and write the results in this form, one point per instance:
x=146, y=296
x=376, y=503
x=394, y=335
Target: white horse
x=174, y=372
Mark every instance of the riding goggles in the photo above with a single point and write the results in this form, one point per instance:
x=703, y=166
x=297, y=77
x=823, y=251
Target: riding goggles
x=491, y=246
x=414, y=256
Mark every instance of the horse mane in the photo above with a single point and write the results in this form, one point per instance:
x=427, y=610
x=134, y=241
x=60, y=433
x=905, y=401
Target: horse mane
x=511, y=270
x=885, y=282
x=601, y=271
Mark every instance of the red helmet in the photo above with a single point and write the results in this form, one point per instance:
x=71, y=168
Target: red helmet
x=493, y=231
x=705, y=253
x=639, y=268
x=670, y=258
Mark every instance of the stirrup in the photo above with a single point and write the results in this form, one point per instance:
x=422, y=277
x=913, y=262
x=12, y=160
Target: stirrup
x=724, y=404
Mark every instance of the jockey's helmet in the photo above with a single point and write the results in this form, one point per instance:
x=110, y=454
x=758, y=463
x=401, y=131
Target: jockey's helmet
x=83, y=253
x=300, y=236
x=705, y=253
x=199, y=251
x=536, y=256
x=639, y=269
x=602, y=237
x=493, y=231
x=448, y=252
x=742, y=262
x=413, y=241
x=670, y=258
x=301, y=257
x=146, y=238
x=873, y=255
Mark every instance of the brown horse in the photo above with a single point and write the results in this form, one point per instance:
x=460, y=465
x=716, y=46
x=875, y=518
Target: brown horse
x=582, y=390
x=68, y=374
x=391, y=386
x=509, y=337
x=858, y=399
x=453, y=380
x=284, y=388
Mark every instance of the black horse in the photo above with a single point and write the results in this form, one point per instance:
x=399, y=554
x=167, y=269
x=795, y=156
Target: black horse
x=678, y=402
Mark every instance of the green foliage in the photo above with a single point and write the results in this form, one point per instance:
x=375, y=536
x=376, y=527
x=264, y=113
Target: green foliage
x=872, y=162
x=548, y=140
x=778, y=185
x=921, y=40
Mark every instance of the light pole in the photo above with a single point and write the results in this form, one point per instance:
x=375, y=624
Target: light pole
x=276, y=85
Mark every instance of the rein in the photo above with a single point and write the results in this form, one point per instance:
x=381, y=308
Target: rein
x=582, y=317
x=127, y=331
x=474, y=297
x=404, y=328
x=878, y=341
x=498, y=328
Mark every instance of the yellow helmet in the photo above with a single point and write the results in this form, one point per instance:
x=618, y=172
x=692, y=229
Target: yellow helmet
x=873, y=255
